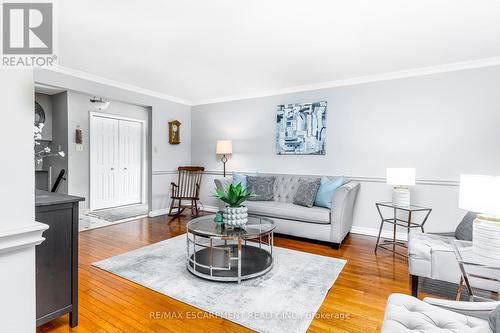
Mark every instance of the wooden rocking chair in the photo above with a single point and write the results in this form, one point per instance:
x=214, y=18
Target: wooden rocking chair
x=187, y=188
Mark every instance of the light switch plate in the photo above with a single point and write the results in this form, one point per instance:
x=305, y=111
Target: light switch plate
x=79, y=147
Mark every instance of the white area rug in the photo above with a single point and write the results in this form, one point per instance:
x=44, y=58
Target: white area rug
x=284, y=300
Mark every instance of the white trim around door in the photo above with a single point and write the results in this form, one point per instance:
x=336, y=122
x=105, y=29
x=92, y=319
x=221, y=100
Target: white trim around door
x=118, y=161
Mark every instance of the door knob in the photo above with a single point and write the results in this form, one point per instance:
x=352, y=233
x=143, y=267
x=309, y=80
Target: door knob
x=112, y=169
x=124, y=168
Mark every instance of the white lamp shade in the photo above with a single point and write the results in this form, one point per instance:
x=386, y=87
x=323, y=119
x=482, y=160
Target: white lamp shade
x=480, y=194
x=401, y=176
x=224, y=147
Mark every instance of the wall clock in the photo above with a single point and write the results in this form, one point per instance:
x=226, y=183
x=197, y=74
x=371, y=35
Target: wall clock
x=174, y=134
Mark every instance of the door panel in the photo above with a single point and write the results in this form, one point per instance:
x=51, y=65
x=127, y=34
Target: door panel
x=105, y=164
x=130, y=162
x=116, y=162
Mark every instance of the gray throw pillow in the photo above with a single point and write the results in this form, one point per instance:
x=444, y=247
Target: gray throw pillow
x=263, y=187
x=495, y=320
x=464, y=229
x=306, y=192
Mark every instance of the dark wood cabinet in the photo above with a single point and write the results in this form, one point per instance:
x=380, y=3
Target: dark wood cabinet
x=57, y=257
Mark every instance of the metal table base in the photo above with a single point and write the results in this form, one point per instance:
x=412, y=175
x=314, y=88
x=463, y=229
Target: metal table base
x=216, y=264
x=220, y=259
x=407, y=223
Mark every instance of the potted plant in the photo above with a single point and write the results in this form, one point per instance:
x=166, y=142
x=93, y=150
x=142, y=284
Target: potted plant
x=234, y=214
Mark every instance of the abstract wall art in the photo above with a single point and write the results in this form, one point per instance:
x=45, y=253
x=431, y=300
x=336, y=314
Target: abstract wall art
x=301, y=129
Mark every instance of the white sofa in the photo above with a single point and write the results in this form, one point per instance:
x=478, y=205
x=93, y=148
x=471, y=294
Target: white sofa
x=317, y=223
x=405, y=314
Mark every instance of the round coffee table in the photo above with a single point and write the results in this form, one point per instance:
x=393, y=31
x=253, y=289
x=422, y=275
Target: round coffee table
x=228, y=254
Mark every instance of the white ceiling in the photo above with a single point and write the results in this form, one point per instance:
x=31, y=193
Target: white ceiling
x=203, y=50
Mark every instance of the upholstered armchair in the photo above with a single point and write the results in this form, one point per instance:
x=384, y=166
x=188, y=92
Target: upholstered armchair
x=432, y=256
x=404, y=313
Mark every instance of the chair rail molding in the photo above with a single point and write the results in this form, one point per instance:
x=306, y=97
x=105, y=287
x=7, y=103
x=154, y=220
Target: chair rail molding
x=366, y=179
x=164, y=172
x=18, y=238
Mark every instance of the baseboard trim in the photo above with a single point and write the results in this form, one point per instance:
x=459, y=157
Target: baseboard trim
x=158, y=212
x=164, y=211
x=403, y=236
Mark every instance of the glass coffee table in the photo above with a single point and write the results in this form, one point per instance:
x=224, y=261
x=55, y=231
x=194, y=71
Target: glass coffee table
x=473, y=266
x=228, y=254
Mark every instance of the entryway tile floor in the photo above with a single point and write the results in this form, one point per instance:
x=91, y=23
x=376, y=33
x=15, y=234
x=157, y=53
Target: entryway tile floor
x=86, y=222
x=91, y=220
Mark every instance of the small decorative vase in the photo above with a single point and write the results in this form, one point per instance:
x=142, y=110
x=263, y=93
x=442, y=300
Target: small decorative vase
x=235, y=217
x=219, y=218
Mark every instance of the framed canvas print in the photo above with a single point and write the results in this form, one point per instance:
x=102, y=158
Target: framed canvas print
x=301, y=129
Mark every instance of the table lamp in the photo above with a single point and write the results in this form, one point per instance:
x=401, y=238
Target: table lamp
x=481, y=194
x=224, y=148
x=401, y=178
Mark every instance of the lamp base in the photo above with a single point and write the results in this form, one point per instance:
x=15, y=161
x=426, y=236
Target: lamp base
x=401, y=196
x=486, y=236
x=224, y=161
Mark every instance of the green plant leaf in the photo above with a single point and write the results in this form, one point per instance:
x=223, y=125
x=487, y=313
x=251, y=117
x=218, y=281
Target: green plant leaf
x=233, y=195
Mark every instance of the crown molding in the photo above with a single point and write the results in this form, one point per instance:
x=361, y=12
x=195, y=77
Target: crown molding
x=415, y=72
x=422, y=71
x=117, y=84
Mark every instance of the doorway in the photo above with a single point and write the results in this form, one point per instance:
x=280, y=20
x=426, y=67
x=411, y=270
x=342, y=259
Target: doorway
x=117, y=161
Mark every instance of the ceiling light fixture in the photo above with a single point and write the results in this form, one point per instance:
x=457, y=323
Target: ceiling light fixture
x=100, y=103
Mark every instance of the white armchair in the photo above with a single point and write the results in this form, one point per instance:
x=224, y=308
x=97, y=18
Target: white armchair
x=432, y=256
x=404, y=313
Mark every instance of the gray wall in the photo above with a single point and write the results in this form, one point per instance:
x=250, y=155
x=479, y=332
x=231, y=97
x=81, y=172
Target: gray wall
x=164, y=158
x=79, y=108
x=59, y=138
x=442, y=124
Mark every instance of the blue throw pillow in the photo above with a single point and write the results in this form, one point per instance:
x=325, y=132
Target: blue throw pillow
x=239, y=178
x=326, y=191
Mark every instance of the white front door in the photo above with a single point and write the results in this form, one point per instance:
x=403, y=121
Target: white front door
x=104, y=168
x=130, y=157
x=116, y=162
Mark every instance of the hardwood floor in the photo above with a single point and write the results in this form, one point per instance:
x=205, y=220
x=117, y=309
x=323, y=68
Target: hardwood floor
x=108, y=303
